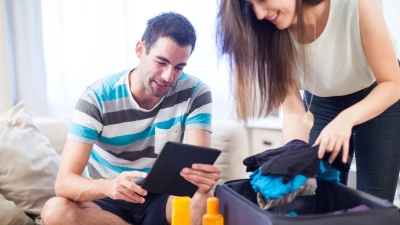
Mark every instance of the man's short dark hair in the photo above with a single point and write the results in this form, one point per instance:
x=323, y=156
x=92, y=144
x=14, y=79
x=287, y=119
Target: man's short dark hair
x=172, y=25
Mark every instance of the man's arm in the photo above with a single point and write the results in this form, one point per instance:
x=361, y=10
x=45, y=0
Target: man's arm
x=70, y=184
x=203, y=176
x=198, y=137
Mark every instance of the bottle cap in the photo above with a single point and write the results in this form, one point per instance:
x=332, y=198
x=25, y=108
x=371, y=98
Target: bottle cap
x=181, y=204
x=212, y=205
x=180, y=211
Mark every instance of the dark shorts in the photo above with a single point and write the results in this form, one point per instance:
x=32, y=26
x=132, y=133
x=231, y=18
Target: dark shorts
x=151, y=212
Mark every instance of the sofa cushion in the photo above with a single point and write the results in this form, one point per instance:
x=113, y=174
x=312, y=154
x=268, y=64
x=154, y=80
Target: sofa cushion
x=10, y=214
x=28, y=163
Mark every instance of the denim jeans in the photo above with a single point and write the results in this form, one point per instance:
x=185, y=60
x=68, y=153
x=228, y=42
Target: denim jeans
x=376, y=143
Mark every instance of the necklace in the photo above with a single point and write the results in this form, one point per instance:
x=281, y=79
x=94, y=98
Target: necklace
x=308, y=118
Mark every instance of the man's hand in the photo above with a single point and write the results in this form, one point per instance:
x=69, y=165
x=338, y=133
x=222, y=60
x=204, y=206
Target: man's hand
x=123, y=188
x=203, y=176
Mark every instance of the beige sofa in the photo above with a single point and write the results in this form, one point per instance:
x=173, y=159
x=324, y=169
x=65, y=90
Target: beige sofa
x=30, y=151
x=227, y=136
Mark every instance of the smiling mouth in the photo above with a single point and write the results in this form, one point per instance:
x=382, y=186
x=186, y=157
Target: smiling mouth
x=272, y=18
x=162, y=85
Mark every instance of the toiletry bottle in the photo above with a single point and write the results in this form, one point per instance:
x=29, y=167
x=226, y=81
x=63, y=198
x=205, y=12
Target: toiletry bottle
x=180, y=211
x=213, y=217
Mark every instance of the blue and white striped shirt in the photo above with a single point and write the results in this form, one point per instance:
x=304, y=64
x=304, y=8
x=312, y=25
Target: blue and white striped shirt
x=126, y=137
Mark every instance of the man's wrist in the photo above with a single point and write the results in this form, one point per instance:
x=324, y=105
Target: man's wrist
x=207, y=194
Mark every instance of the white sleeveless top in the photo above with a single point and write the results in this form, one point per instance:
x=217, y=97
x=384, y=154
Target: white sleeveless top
x=337, y=56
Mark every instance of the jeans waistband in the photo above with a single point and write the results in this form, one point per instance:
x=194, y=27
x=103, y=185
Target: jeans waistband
x=364, y=92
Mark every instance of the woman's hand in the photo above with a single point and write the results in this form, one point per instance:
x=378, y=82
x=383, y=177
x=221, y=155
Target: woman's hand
x=334, y=138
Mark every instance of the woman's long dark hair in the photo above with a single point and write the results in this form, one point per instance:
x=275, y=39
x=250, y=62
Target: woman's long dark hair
x=260, y=56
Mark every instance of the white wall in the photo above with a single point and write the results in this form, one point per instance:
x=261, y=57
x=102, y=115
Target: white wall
x=5, y=87
x=391, y=11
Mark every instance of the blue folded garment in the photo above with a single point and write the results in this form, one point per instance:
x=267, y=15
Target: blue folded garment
x=327, y=172
x=271, y=186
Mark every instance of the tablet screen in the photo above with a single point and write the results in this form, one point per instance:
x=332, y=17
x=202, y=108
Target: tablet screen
x=164, y=177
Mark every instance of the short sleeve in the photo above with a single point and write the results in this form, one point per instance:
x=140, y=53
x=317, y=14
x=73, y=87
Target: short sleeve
x=200, y=108
x=86, y=123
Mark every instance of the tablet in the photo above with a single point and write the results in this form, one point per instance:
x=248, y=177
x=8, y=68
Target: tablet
x=164, y=177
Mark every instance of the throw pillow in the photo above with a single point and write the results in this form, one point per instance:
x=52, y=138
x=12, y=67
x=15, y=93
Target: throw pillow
x=28, y=163
x=10, y=214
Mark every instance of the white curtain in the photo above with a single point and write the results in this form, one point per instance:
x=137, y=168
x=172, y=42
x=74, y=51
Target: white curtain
x=5, y=81
x=51, y=50
x=88, y=39
x=24, y=71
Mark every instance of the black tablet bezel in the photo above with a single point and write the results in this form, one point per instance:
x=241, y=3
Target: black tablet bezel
x=164, y=177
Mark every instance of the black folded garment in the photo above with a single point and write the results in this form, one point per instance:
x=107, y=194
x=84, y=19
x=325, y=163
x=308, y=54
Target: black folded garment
x=295, y=157
x=338, y=163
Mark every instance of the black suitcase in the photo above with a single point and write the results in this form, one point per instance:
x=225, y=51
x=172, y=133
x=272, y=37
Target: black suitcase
x=238, y=205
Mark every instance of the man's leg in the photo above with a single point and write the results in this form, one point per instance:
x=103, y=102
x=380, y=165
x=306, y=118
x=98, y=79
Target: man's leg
x=168, y=209
x=63, y=211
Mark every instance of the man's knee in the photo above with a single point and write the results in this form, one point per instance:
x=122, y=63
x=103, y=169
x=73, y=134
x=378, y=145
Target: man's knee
x=54, y=209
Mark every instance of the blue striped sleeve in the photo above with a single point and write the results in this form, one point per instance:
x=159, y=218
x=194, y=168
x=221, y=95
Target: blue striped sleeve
x=202, y=118
x=82, y=131
x=110, y=90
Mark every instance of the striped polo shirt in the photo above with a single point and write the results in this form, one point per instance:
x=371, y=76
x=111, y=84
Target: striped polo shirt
x=126, y=137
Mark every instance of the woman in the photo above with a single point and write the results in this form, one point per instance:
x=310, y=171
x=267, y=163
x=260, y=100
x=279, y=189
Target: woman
x=341, y=54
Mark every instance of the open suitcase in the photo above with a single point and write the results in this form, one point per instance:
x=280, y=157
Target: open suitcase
x=238, y=205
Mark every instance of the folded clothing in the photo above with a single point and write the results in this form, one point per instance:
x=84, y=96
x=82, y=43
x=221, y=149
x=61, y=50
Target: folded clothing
x=272, y=187
x=295, y=157
x=308, y=188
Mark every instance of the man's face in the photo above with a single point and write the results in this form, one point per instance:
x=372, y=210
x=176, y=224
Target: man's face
x=161, y=68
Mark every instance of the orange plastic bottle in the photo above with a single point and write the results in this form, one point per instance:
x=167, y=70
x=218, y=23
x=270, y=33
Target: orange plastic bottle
x=213, y=217
x=180, y=211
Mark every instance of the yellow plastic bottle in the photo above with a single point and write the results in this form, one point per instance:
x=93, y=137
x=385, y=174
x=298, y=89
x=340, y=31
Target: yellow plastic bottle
x=180, y=211
x=213, y=217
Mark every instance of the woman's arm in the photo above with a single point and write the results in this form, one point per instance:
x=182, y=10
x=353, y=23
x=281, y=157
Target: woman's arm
x=383, y=62
x=293, y=112
x=382, y=59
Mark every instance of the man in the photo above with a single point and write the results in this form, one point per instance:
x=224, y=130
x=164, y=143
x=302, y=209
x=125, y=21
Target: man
x=119, y=126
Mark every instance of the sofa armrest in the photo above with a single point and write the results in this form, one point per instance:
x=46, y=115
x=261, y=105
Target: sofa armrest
x=232, y=139
x=55, y=129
